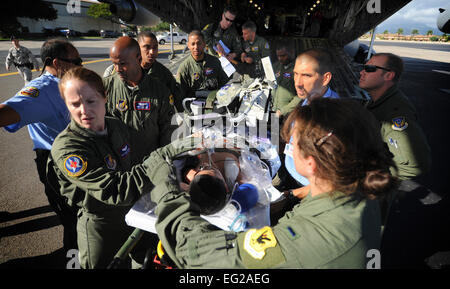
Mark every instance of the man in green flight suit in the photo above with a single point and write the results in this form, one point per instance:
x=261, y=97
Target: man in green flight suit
x=138, y=99
x=285, y=96
x=254, y=49
x=225, y=31
x=199, y=71
x=396, y=114
x=149, y=51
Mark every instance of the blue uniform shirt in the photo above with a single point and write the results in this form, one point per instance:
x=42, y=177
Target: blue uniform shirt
x=328, y=94
x=42, y=109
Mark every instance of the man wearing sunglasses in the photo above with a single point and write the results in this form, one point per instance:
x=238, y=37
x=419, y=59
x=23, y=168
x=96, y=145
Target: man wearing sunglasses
x=225, y=31
x=396, y=114
x=39, y=106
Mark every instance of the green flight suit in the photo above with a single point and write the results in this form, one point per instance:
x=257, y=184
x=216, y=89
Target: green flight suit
x=100, y=176
x=321, y=232
x=230, y=37
x=402, y=133
x=146, y=109
x=257, y=50
x=159, y=71
x=206, y=74
x=285, y=96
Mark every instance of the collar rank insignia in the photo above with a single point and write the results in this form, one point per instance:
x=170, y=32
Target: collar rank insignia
x=257, y=241
x=196, y=75
x=29, y=91
x=110, y=162
x=399, y=123
x=122, y=105
x=142, y=105
x=124, y=150
x=74, y=165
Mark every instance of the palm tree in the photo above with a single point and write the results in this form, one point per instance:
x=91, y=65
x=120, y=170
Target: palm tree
x=430, y=32
x=414, y=32
x=399, y=32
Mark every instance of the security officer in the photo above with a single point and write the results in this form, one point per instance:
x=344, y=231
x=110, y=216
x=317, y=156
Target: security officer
x=40, y=107
x=225, y=31
x=254, y=49
x=285, y=96
x=149, y=52
x=199, y=71
x=98, y=169
x=397, y=116
x=22, y=58
x=139, y=100
x=333, y=227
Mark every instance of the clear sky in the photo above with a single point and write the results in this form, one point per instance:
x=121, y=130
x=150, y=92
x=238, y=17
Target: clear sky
x=418, y=14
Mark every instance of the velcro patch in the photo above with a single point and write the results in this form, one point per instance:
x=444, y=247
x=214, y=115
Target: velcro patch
x=399, y=123
x=209, y=71
x=196, y=75
x=74, y=165
x=260, y=248
x=110, y=162
x=124, y=150
x=29, y=91
x=287, y=75
x=122, y=105
x=142, y=105
x=257, y=241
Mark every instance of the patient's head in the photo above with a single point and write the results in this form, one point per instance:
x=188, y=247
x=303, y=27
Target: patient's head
x=209, y=191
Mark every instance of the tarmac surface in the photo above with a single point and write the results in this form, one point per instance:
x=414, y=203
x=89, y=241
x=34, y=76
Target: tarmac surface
x=31, y=236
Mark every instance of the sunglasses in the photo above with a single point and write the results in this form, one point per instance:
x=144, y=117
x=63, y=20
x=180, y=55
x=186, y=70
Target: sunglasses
x=229, y=20
x=76, y=61
x=373, y=68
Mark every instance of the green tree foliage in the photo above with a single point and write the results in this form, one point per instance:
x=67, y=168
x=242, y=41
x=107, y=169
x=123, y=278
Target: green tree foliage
x=430, y=32
x=34, y=9
x=386, y=32
x=100, y=11
x=414, y=32
x=400, y=31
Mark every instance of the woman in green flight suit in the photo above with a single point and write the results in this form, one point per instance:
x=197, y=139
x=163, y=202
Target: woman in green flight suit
x=97, y=169
x=337, y=146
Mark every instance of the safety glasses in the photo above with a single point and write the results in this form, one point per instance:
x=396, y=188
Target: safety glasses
x=373, y=68
x=229, y=20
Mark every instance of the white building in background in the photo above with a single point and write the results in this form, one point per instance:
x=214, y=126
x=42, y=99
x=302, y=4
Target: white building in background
x=78, y=20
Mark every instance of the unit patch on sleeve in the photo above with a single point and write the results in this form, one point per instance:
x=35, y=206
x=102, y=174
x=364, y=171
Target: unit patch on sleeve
x=74, y=165
x=257, y=241
x=29, y=91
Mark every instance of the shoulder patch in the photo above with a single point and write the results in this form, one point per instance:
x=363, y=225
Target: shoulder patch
x=122, y=105
x=260, y=249
x=29, y=91
x=257, y=241
x=75, y=165
x=399, y=123
x=196, y=75
x=110, y=162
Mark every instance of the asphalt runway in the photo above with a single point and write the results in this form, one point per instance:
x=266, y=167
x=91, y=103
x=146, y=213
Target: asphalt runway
x=30, y=234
